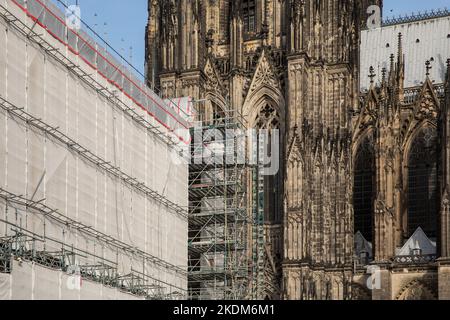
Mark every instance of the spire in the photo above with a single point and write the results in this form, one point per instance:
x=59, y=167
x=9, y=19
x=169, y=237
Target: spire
x=428, y=67
x=392, y=71
x=400, y=61
x=400, y=57
x=447, y=79
x=372, y=75
x=400, y=68
x=383, y=76
x=384, y=85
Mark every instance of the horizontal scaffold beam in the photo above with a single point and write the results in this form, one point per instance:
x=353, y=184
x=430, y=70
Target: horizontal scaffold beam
x=91, y=157
x=108, y=93
x=62, y=219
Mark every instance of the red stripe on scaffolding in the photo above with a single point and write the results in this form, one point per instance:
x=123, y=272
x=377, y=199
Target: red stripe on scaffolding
x=74, y=51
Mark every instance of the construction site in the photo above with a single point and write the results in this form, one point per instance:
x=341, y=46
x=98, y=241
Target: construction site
x=93, y=204
x=96, y=198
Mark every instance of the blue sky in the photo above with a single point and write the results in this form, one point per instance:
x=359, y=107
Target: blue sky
x=122, y=22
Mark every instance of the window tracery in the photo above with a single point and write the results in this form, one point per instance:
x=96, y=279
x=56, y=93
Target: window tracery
x=423, y=183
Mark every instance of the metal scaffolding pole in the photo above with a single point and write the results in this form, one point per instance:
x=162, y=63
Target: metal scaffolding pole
x=103, y=271
x=64, y=220
x=91, y=157
x=157, y=277
x=109, y=94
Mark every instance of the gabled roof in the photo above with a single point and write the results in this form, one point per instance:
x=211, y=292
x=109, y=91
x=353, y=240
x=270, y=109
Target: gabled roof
x=212, y=75
x=362, y=245
x=418, y=240
x=427, y=103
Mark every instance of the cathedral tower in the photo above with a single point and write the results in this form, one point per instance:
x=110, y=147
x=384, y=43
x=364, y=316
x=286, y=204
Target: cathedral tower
x=290, y=65
x=322, y=75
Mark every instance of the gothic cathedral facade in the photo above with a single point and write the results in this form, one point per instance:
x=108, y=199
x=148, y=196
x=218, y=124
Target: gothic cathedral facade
x=293, y=65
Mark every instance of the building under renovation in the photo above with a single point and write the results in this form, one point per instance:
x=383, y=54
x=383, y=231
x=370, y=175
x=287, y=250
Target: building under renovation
x=93, y=199
x=218, y=204
x=97, y=200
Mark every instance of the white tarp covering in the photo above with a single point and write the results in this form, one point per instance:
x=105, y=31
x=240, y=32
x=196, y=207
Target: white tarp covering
x=3, y=155
x=32, y=282
x=183, y=106
x=33, y=163
x=5, y=287
x=3, y=61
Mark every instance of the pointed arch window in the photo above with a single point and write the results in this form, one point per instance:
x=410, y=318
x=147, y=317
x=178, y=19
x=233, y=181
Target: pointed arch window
x=249, y=15
x=423, y=183
x=269, y=119
x=364, y=189
x=218, y=114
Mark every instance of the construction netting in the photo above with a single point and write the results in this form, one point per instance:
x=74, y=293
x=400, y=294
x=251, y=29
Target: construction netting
x=183, y=106
x=82, y=184
x=52, y=19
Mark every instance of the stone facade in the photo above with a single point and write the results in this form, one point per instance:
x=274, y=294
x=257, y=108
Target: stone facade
x=405, y=130
x=293, y=65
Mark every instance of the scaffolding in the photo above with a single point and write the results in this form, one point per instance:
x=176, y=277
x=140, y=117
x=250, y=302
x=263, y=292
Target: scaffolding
x=106, y=258
x=26, y=246
x=165, y=122
x=218, y=217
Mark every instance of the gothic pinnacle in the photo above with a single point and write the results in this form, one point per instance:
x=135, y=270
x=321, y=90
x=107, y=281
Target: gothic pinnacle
x=428, y=67
x=392, y=69
x=400, y=57
x=371, y=74
x=400, y=46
